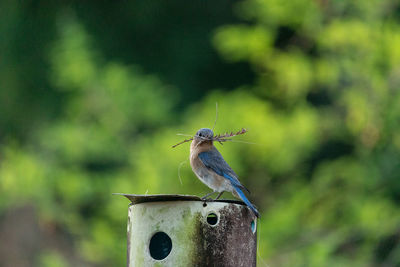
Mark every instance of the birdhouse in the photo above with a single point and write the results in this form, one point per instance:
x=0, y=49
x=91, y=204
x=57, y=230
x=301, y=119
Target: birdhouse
x=180, y=230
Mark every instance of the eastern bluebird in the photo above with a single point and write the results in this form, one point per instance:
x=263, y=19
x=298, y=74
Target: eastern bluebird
x=211, y=168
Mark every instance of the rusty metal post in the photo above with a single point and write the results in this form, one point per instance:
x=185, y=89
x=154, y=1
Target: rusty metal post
x=178, y=230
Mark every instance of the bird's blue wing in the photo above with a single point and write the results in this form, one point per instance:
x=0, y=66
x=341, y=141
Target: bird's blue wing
x=245, y=200
x=213, y=159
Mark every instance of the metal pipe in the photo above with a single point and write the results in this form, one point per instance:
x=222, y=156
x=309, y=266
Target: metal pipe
x=179, y=230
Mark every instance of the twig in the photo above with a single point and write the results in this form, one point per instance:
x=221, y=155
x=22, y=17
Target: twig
x=216, y=115
x=218, y=138
x=184, y=141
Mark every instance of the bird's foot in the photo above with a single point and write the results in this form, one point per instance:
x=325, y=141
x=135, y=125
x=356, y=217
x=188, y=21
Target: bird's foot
x=209, y=194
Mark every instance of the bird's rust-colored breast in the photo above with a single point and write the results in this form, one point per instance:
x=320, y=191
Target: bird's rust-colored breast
x=195, y=150
x=206, y=175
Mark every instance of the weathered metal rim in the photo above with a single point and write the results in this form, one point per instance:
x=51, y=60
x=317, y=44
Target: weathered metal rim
x=137, y=199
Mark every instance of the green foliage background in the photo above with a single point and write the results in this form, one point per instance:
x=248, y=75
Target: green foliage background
x=93, y=95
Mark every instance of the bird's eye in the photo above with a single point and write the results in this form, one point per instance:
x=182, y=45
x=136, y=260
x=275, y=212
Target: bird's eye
x=200, y=134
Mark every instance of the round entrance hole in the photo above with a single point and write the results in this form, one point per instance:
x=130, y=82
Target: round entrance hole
x=160, y=246
x=212, y=219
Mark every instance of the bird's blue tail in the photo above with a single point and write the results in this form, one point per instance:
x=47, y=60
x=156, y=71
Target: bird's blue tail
x=245, y=200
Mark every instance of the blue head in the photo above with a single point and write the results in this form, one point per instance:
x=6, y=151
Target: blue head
x=204, y=134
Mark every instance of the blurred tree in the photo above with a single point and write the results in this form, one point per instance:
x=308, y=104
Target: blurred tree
x=163, y=38
x=340, y=59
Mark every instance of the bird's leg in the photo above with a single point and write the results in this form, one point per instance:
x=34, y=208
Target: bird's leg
x=209, y=194
x=219, y=195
